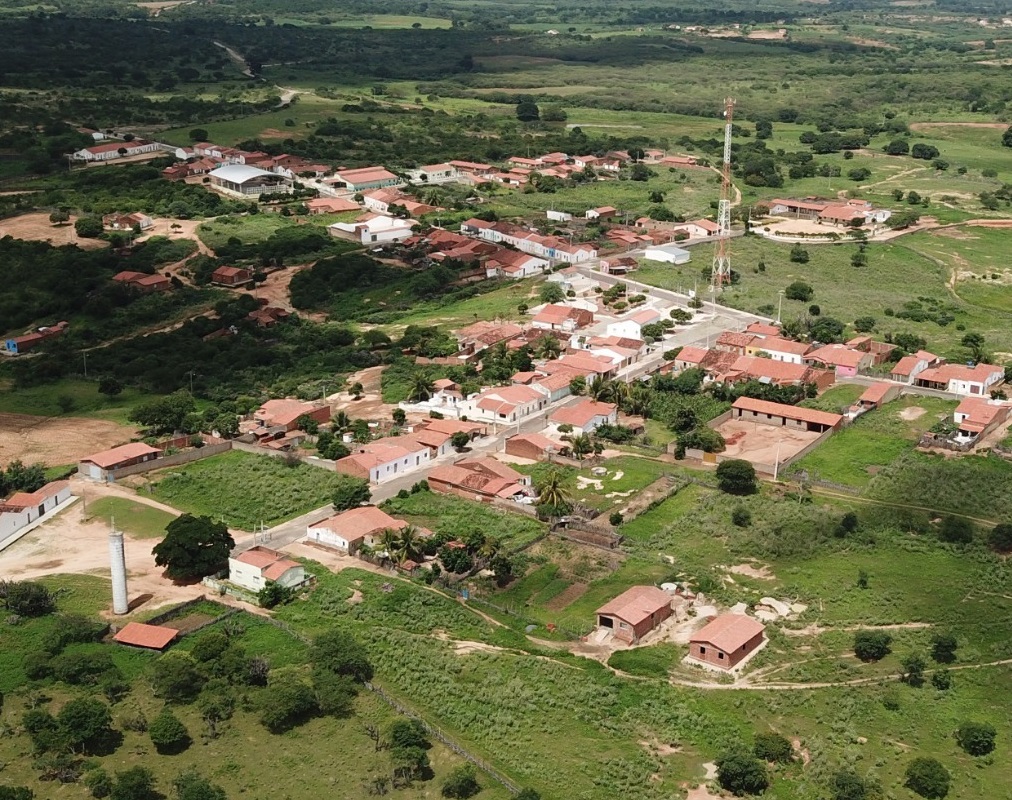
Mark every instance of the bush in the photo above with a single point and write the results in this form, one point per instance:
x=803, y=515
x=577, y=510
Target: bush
x=1000, y=538
x=27, y=598
x=799, y=290
x=461, y=783
x=175, y=677
x=286, y=702
x=928, y=778
x=847, y=785
x=616, y=518
x=342, y=654
x=956, y=530
x=943, y=648
x=98, y=782
x=773, y=747
x=736, y=476
x=168, y=734
x=740, y=774
x=741, y=517
x=976, y=738
x=872, y=645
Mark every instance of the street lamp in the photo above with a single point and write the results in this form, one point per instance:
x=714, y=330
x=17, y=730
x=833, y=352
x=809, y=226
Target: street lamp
x=780, y=305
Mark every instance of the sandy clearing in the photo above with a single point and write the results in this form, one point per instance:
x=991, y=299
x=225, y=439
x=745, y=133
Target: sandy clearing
x=762, y=573
x=371, y=405
x=923, y=126
x=912, y=413
x=57, y=440
x=37, y=228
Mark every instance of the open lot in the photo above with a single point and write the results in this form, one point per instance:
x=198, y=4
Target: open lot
x=56, y=440
x=38, y=228
x=764, y=445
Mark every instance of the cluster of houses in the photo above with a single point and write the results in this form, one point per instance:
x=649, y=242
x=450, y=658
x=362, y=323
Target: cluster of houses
x=553, y=248
x=485, y=259
x=143, y=282
x=849, y=213
x=17, y=345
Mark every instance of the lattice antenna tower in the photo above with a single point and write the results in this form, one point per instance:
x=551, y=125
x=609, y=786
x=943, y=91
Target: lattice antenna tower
x=721, y=273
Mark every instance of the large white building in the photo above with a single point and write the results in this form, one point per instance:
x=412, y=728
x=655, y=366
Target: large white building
x=384, y=459
x=114, y=150
x=244, y=181
x=375, y=230
x=668, y=254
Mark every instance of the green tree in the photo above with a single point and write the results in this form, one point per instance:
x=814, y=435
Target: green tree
x=1000, y=538
x=308, y=424
x=928, y=778
x=976, y=738
x=799, y=291
x=88, y=227
x=275, y=594
x=913, y=670
x=741, y=774
x=85, y=722
x=551, y=293
x=943, y=647
x=198, y=135
x=737, y=476
x=17, y=793
x=872, y=645
x=351, y=492
x=168, y=734
x=399, y=416
x=227, y=425
x=773, y=747
x=461, y=783
x=553, y=496
x=460, y=440
x=136, y=783
x=59, y=217
x=97, y=781
x=287, y=701
x=1006, y=138
x=193, y=547
x=956, y=530
x=581, y=445
x=175, y=677
x=799, y=256
x=342, y=654
x=553, y=113
x=27, y=598
x=578, y=385
x=897, y=147
x=848, y=785
x=164, y=415
x=527, y=110
x=528, y=794
x=110, y=387
x=191, y=785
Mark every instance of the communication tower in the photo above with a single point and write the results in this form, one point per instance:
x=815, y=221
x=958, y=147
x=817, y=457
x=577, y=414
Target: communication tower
x=721, y=273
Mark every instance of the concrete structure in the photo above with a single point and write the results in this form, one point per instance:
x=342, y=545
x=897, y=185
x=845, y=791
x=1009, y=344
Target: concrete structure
x=780, y=415
x=351, y=529
x=877, y=395
x=239, y=179
x=286, y=413
x=365, y=178
x=378, y=229
x=726, y=641
x=845, y=361
x=23, y=508
x=231, y=276
x=586, y=415
x=631, y=327
x=958, y=379
x=253, y=569
x=97, y=467
x=117, y=569
x=384, y=459
x=481, y=479
x=978, y=416
x=22, y=344
x=667, y=254
x=555, y=317
x=331, y=205
x=113, y=150
x=909, y=367
x=532, y=446
x=504, y=404
x=127, y=222
x=635, y=612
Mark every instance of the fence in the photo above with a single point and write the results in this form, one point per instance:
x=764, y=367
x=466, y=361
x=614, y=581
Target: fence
x=480, y=763
x=591, y=535
x=257, y=450
x=171, y=461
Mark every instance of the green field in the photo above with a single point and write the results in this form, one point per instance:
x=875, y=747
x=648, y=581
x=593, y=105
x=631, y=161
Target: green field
x=875, y=440
x=245, y=490
x=137, y=520
x=71, y=398
x=626, y=475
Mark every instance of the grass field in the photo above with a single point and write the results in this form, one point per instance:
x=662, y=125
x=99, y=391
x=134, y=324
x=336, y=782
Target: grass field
x=245, y=490
x=874, y=441
x=80, y=398
x=626, y=475
x=136, y=519
x=835, y=398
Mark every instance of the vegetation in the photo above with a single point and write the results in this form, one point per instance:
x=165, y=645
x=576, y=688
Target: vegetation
x=193, y=547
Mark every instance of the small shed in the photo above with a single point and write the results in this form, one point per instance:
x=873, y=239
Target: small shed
x=635, y=612
x=726, y=641
x=151, y=637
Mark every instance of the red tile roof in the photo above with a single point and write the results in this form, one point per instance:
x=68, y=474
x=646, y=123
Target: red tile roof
x=637, y=604
x=778, y=345
x=838, y=355
x=957, y=372
x=583, y=412
x=357, y=523
x=876, y=392
x=137, y=634
x=728, y=632
x=788, y=412
x=734, y=339
x=22, y=500
x=108, y=459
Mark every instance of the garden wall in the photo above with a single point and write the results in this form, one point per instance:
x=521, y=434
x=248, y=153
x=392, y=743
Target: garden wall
x=172, y=461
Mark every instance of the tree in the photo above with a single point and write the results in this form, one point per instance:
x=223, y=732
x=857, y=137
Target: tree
x=351, y=492
x=578, y=385
x=460, y=440
x=1006, y=138
x=191, y=785
x=551, y=293
x=110, y=387
x=27, y=598
x=342, y=654
x=461, y=783
x=554, y=113
x=193, y=547
x=864, y=324
x=976, y=738
x=581, y=445
x=974, y=342
x=408, y=733
x=799, y=256
x=773, y=747
x=527, y=110
x=175, y=677
x=943, y=648
x=456, y=559
x=897, y=147
x=528, y=794
x=422, y=387
x=928, y=778
x=956, y=530
x=59, y=217
x=925, y=152
x=872, y=645
x=85, y=722
x=399, y=416
x=274, y=594
x=136, y=783
x=168, y=734
x=199, y=135
x=553, y=496
x=736, y=476
x=848, y=785
x=799, y=291
x=97, y=782
x=941, y=679
x=742, y=774
x=286, y=702
x=356, y=390
x=913, y=670
x=1000, y=538
x=88, y=227
x=166, y=414
x=307, y=424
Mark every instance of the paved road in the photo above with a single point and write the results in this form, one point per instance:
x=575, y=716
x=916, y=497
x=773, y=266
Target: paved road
x=919, y=391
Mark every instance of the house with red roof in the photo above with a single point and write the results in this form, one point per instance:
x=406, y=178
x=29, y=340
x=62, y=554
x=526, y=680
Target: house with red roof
x=23, y=508
x=978, y=416
x=532, y=446
x=253, y=569
x=583, y=363
x=331, y=205
x=845, y=361
x=505, y=404
x=763, y=329
x=150, y=637
x=726, y=641
x=877, y=395
x=231, y=276
x=962, y=379
x=364, y=179
x=634, y=613
x=286, y=412
x=383, y=459
x=764, y=370
x=127, y=222
x=114, y=150
x=909, y=367
x=142, y=282
x=779, y=349
x=98, y=466
x=483, y=479
x=602, y=212
x=585, y=415
x=631, y=326
x=780, y=415
x=554, y=317
x=734, y=342
x=351, y=529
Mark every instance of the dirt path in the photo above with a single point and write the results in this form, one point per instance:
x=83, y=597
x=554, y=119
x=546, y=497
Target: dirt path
x=923, y=126
x=872, y=501
x=237, y=57
x=816, y=630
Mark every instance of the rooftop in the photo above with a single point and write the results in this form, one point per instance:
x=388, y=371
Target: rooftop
x=728, y=632
x=117, y=455
x=357, y=523
x=636, y=604
x=583, y=412
x=788, y=412
x=137, y=634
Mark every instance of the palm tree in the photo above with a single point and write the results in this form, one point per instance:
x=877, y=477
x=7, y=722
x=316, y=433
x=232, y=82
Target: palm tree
x=489, y=548
x=390, y=542
x=421, y=387
x=552, y=492
x=409, y=544
x=548, y=347
x=581, y=445
x=341, y=421
x=599, y=388
x=618, y=392
x=638, y=402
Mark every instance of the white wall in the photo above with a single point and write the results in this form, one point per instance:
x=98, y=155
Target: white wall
x=245, y=575
x=392, y=469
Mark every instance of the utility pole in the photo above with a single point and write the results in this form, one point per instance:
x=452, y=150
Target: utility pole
x=780, y=304
x=85, y=364
x=721, y=272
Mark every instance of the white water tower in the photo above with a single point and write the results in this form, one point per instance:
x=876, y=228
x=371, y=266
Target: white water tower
x=117, y=567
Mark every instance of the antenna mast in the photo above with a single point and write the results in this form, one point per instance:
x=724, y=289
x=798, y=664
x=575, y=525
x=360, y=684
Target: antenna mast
x=721, y=273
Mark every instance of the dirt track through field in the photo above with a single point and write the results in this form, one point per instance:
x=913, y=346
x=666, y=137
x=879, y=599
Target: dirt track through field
x=57, y=440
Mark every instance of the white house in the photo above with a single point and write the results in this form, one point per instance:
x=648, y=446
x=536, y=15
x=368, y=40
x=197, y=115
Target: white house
x=384, y=459
x=909, y=367
x=958, y=379
x=698, y=229
x=258, y=566
x=603, y=212
x=505, y=404
x=631, y=327
x=351, y=529
x=558, y=216
x=781, y=349
x=668, y=254
x=23, y=508
x=376, y=230
x=114, y=150
x=585, y=415
x=514, y=264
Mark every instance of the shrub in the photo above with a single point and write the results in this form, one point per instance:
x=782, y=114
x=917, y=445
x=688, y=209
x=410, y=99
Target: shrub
x=616, y=518
x=98, y=782
x=741, y=517
x=976, y=738
x=799, y=256
x=773, y=747
x=913, y=670
x=799, y=290
x=461, y=783
x=928, y=778
x=168, y=734
x=27, y=598
x=736, y=476
x=742, y=774
x=1000, y=538
x=956, y=530
x=943, y=648
x=872, y=645
x=847, y=785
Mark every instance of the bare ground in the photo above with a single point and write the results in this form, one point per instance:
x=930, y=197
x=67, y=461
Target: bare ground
x=38, y=228
x=57, y=440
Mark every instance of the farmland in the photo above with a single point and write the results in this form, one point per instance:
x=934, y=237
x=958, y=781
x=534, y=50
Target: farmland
x=244, y=490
